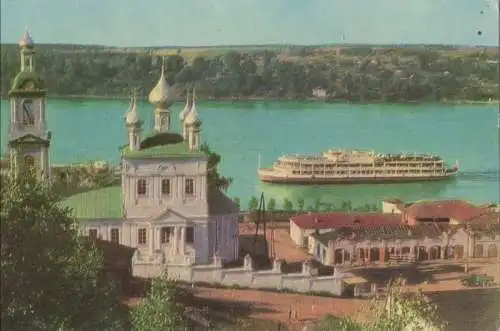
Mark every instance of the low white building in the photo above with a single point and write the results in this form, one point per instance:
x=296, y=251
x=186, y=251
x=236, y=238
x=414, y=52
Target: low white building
x=166, y=206
x=303, y=225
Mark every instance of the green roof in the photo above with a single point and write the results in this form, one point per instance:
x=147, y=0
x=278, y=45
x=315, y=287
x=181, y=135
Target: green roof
x=104, y=203
x=159, y=145
x=24, y=77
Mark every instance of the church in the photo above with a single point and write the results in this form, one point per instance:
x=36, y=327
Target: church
x=166, y=207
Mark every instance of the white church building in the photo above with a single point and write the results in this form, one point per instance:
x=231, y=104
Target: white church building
x=166, y=205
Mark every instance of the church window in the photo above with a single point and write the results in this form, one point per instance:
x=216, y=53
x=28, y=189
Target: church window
x=141, y=187
x=115, y=235
x=165, y=234
x=189, y=235
x=165, y=186
x=141, y=236
x=93, y=233
x=189, y=186
x=28, y=113
x=164, y=121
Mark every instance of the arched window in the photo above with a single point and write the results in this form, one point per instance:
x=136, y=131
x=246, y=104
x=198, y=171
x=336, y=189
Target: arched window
x=28, y=113
x=164, y=122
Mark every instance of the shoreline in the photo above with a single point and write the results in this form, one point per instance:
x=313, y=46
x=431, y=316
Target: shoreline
x=264, y=98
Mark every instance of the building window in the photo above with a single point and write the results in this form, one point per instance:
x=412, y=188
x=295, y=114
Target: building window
x=165, y=233
x=141, y=236
x=141, y=187
x=189, y=235
x=28, y=113
x=189, y=186
x=29, y=162
x=115, y=235
x=93, y=234
x=165, y=186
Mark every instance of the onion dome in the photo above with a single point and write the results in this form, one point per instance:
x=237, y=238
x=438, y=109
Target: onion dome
x=26, y=40
x=160, y=95
x=132, y=117
x=193, y=119
x=187, y=108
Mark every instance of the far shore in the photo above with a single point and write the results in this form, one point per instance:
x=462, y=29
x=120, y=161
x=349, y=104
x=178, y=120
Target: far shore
x=270, y=98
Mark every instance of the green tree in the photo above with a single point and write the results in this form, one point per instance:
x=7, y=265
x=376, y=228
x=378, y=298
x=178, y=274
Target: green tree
x=346, y=206
x=300, y=204
x=400, y=310
x=237, y=201
x=287, y=205
x=51, y=277
x=214, y=177
x=160, y=309
x=271, y=205
x=253, y=203
x=317, y=204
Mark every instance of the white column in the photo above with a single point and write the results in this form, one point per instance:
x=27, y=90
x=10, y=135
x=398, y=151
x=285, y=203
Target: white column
x=150, y=238
x=176, y=239
x=182, y=244
x=157, y=236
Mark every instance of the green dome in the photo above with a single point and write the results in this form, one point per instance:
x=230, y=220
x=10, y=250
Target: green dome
x=161, y=139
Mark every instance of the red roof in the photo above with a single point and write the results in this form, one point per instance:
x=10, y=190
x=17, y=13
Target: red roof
x=457, y=209
x=342, y=220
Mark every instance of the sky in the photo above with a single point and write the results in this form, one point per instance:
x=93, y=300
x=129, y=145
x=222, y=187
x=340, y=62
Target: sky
x=244, y=22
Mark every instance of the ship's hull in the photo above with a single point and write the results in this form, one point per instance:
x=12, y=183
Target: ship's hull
x=268, y=178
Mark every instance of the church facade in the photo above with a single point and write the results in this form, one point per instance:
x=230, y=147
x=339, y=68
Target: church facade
x=166, y=207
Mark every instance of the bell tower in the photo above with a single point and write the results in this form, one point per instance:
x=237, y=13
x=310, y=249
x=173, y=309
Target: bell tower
x=28, y=138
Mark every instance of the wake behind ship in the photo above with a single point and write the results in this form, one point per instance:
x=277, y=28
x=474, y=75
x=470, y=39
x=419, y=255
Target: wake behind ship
x=356, y=167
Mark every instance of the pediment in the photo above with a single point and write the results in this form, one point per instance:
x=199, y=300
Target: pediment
x=168, y=215
x=29, y=138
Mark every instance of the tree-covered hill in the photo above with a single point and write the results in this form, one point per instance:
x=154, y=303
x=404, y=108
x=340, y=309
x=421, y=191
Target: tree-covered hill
x=356, y=73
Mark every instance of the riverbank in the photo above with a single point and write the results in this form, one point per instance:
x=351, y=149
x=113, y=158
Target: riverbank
x=271, y=98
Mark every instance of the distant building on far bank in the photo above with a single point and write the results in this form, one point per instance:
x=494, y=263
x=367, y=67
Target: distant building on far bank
x=319, y=93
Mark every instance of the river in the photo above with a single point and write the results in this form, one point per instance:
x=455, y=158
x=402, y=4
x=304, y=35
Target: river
x=241, y=131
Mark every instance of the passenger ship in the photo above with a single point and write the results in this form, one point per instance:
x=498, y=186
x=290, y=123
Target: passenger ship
x=356, y=166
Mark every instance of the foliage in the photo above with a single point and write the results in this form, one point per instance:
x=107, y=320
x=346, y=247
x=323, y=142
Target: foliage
x=72, y=179
x=317, y=204
x=51, y=277
x=330, y=323
x=359, y=74
x=287, y=205
x=214, y=177
x=300, y=204
x=161, y=309
x=401, y=310
x=237, y=201
x=253, y=203
x=271, y=204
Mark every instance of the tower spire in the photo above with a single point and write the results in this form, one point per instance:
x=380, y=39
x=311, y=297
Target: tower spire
x=133, y=123
x=160, y=96
x=192, y=125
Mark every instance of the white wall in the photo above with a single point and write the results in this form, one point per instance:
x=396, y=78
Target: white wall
x=153, y=171
x=245, y=277
x=390, y=208
x=202, y=249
